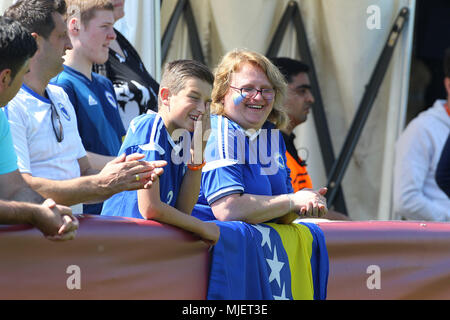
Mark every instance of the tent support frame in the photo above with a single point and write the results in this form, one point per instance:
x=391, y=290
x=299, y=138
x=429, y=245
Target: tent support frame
x=183, y=6
x=337, y=173
x=293, y=13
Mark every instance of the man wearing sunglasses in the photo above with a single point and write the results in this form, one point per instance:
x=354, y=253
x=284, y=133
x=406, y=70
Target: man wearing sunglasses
x=51, y=156
x=20, y=204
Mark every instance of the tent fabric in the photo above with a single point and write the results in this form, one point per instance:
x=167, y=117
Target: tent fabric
x=140, y=25
x=121, y=258
x=5, y=4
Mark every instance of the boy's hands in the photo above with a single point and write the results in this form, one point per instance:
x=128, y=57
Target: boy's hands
x=200, y=137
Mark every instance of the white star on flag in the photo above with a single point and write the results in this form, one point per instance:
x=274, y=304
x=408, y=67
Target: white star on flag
x=283, y=295
x=275, y=267
x=265, y=232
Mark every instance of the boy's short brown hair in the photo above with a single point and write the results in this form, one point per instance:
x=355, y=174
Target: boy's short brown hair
x=85, y=10
x=176, y=73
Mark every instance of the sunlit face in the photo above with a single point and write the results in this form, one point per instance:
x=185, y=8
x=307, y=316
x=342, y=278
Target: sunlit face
x=95, y=37
x=51, y=51
x=248, y=113
x=188, y=104
x=299, y=99
x=10, y=90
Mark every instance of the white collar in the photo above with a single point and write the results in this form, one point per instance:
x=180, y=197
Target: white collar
x=252, y=134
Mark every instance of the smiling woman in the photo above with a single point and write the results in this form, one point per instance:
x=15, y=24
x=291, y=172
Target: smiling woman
x=247, y=70
x=246, y=176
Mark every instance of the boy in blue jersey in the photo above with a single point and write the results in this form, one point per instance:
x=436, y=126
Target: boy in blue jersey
x=184, y=100
x=90, y=28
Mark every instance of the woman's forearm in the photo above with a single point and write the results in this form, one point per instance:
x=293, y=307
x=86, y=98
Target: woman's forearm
x=252, y=208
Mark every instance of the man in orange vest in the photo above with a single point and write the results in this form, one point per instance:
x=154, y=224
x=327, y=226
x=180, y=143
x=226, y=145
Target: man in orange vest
x=299, y=100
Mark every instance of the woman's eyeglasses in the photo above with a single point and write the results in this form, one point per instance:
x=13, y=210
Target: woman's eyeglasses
x=250, y=93
x=56, y=123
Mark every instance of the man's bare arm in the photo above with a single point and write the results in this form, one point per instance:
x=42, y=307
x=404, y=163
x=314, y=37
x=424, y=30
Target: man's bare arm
x=118, y=175
x=14, y=188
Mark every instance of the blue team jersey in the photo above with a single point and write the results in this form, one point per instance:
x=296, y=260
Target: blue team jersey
x=148, y=135
x=99, y=123
x=239, y=161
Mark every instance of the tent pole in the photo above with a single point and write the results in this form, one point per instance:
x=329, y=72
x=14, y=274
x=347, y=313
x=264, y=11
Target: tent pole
x=293, y=13
x=341, y=164
x=170, y=29
x=183, y=6
x=320, y=119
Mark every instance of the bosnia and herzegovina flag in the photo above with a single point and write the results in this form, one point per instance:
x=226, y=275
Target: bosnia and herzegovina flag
x=269, y=261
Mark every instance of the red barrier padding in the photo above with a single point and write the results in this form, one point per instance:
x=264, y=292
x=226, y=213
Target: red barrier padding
x=117, y=258
x=120, y=258
x=388, y=259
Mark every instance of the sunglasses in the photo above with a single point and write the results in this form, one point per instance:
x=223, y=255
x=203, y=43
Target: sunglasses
x=56, y=123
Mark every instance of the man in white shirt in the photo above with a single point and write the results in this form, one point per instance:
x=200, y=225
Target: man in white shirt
x=20, y=204
x=51, y=157
x=417, y=154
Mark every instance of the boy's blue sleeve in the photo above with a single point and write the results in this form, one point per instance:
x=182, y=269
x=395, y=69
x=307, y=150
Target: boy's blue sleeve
x=142, y=137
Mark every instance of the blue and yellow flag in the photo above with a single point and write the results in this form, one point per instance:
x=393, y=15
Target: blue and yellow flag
x=269, y=261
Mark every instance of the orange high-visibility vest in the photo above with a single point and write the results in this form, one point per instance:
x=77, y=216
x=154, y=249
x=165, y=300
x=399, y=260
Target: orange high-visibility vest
x=299, y=175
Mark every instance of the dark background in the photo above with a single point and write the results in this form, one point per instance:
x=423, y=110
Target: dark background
x=431, y=38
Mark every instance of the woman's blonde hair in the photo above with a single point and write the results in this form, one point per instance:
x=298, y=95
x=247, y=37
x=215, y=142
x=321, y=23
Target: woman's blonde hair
x=232, y=62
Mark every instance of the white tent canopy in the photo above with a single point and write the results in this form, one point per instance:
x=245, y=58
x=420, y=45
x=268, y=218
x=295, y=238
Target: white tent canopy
x=346, y=38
